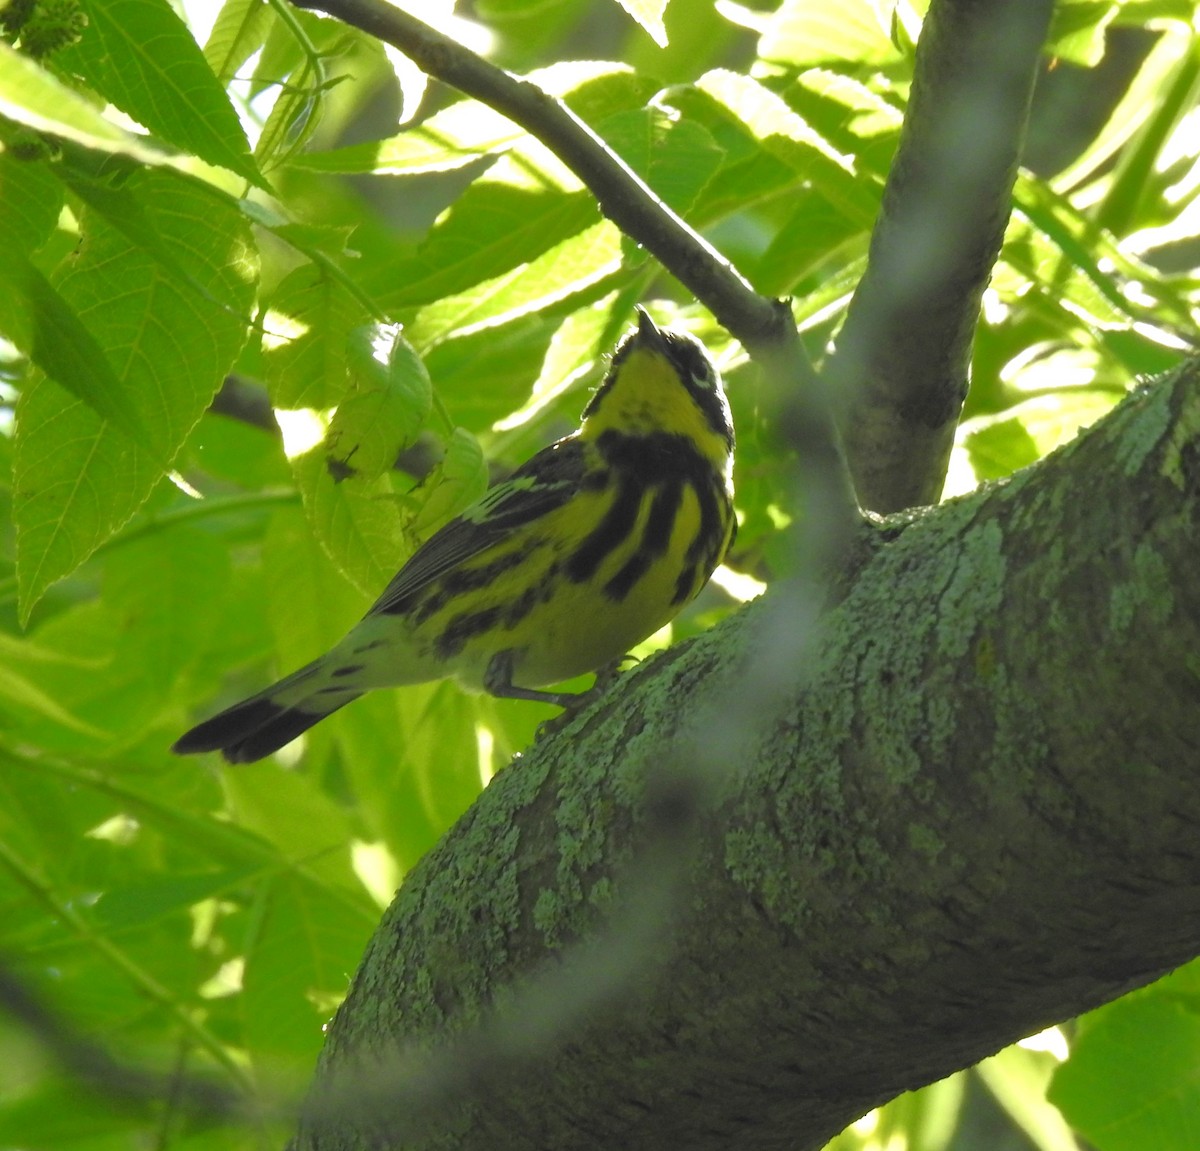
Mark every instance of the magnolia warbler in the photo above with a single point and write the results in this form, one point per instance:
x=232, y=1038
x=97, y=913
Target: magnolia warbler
x=591, y=546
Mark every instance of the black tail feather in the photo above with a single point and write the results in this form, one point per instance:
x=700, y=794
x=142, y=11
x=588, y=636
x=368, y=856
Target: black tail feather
x=252, y=729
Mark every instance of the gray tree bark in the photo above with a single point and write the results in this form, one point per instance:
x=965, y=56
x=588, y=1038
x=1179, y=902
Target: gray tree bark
x=745, y=898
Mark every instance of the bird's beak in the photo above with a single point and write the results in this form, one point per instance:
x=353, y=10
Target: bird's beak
x=647, y=332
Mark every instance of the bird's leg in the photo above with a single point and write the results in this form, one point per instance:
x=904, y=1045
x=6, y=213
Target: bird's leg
x=497, y=681
x=607, y=675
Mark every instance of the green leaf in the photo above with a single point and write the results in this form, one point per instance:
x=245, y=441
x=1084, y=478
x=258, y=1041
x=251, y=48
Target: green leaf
x=237, y=33
x=414, y=152
x=170, y=596
x=58, y=342
x=998, y=445
x=301, y=949
x=854, y=119
x=507, y=357
x=156, y=621
x=814, y=232
x=577, y=264
x=768, y=149
x=1017, y=1078
x=306, y=334
x=290, y=812
x=413, y=757
x=447, y=140
x=676, y=157
x=803, y=33
x=150, y=899
x=456, y=483
x=1143, y=96
x=525, y=205
x=311, y=604
x=288, y=47
x=141, y=57
x=87, y=632
x=467, y=130
x=1124, y=1093
x=411, y=80
x=649, y=14
x=574, y=349
x=786, y=134
x=1098, y=270
x=30, y=201
x=1134, y=13
x=106, y=192
x=1078, y=30
x=21, y=694
x=295, y=114
x=79, y=477
x=356, y=521
x=60, y=1114
x=596, y=89
x=241, y=454
x=390, y=403
x=1133, y=190
x=32, y=96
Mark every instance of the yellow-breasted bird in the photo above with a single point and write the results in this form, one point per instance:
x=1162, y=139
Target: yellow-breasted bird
x=590, y=547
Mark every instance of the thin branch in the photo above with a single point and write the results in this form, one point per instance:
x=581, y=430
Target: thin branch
x=904, y=353
x=764, y=327
x=622, y=195
x=247, y=402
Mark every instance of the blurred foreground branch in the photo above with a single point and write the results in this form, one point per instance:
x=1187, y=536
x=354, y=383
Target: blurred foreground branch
x=904, y=353
x=90, y=1065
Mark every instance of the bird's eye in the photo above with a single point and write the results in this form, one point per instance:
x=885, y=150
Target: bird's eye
x=691, y=361
x=701, y=371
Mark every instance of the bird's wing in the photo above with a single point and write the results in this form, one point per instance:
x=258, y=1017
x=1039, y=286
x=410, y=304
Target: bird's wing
x=545, y=482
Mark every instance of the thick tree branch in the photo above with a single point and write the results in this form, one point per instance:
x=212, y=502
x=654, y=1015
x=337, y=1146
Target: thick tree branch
x=904, y=353
x=972, y=814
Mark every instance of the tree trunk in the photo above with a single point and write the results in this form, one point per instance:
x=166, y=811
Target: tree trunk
x=741, y=901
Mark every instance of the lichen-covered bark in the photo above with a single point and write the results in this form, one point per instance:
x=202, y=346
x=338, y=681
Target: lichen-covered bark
x=743, y=900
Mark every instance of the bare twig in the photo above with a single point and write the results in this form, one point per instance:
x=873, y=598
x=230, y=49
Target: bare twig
x=904, y=353
x=247, y=402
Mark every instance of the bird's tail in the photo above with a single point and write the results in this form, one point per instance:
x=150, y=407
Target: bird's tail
x=265, y=722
